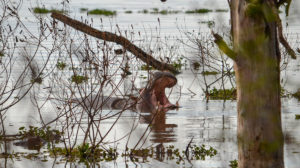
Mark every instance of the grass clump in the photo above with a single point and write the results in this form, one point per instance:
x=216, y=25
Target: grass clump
x=198, y=11
x=297, y=116
x=206, y=73
x=222, y=94
x=102, y=12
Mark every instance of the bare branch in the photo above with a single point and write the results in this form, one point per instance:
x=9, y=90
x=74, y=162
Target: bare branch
x=107, y=36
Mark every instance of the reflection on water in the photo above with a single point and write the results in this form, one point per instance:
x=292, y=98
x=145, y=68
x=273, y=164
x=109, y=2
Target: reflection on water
x=161, y=131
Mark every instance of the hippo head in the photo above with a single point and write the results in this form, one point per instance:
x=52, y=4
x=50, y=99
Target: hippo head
x=153, y=97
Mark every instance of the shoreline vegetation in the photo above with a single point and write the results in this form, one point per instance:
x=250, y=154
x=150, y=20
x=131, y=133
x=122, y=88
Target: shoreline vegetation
x=106, y=12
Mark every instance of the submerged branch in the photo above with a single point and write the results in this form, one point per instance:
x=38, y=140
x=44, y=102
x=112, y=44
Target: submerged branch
x=111, y=37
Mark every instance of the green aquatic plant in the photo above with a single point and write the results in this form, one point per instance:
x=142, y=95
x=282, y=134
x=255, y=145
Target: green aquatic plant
x=297, y=116
x=196, y=65
x=233, y=164
x=41, y=10
x=198, y=11
x=128, y=11
x=206, y=73
x=163, y=12
x=297, y=94
x=78, y=79
x=38, y=80
x=179, y=63
x=47, y=134
x=83, y=9
x=221, y=10
x=61, y=65
x=104, y=12
x=145, y=11
x=45, y=11
x=222, y=94
x=85, y=153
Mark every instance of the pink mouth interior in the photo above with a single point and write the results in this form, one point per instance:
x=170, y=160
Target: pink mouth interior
x=159, y=97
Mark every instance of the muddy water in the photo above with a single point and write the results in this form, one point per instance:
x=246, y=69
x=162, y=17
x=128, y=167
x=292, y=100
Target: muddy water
x=211, y=123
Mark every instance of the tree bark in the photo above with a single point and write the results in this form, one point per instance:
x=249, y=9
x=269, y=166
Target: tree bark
x=110, y=37
x=255, y=41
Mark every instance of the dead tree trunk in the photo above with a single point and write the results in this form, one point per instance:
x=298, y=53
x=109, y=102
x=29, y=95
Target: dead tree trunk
x=110, y=37
x=260, y=137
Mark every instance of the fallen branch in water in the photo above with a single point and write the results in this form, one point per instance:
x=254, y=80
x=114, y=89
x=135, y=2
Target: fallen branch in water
x=111, y=37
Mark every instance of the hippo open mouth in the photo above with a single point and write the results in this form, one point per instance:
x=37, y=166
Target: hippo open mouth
x=154, y=97
x=159, y=97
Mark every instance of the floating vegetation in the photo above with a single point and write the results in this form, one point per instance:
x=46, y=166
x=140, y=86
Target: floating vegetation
x=78, y=79
x=102, y=12
x=297, y=116
x=222, y=94
x=45, y=11
x=171, y=153
x=206, y=73
x=61, y=65
x=297, y=94
x=163, y=12
x=233, y=164
x=145, y=11
x=221, y=10
x=128, y=11
x=83, y=9
x=47, y=134
x=1, y=54
x=198, y=11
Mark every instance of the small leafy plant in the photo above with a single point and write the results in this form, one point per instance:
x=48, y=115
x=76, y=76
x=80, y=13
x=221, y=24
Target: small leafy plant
x=222, y=94
x=78, y=79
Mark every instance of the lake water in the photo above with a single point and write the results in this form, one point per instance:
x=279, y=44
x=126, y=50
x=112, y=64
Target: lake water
x=212, y=123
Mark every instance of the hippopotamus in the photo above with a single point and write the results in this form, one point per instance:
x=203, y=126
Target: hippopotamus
x=150, y=99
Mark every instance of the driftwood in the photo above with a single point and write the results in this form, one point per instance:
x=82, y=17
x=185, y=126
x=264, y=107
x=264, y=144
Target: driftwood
x=111, y=37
